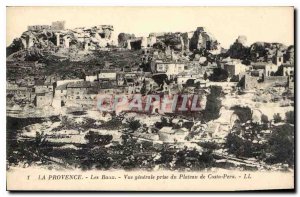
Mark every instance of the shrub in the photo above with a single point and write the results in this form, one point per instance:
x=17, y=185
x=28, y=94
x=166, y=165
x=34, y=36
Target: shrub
x=133, y=124
x=213, y=104
x=264, y=119
x=218, y=74
x=244, y=113
x=97, y=139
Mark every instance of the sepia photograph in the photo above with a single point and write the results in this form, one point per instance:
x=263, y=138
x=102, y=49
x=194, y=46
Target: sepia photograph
x=150, y=98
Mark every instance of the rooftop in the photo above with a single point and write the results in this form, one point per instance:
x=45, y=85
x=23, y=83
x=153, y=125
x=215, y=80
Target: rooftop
x=79, y=84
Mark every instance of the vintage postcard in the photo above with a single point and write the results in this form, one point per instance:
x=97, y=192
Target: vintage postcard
x=150, y=98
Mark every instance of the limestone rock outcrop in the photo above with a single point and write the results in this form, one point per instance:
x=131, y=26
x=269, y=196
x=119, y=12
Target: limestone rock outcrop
x=202, y=39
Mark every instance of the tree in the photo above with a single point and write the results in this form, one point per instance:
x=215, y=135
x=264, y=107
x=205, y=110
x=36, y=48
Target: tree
x=213, y=104
x=235, y=78
x=96, y=157
x=163, y=123
x=160, y=79
x=289, y=117
x=244, y=113
x=128, y=147
x=16, y=45
x=97, y=139
x=143, y=89
x=205, y=76
x=40, y=143
x=133, y=124
x=190, y=82
x=209, y=145
x=264, y=119
x=233, y=143
x=277, y=118
x=238, y=146
x=166, y=157
x=239, y=51
x=218, y=74
x=281, y=143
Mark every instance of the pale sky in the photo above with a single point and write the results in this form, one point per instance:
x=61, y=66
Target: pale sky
x=270, y=24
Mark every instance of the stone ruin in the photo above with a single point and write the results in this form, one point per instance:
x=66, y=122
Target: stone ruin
x=129, y=41
x=92, y=38
x=56, y=25
x=187, y=41
x=55, y=35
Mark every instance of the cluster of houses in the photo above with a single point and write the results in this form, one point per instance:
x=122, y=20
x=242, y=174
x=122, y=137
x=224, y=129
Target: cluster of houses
x=178, y=77
x=261, y=74
x=52, y=91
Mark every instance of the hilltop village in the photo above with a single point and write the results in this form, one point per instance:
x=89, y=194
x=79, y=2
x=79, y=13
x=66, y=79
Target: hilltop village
x=55, y=74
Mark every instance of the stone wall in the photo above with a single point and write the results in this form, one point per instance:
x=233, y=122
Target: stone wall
x=38, y=27
x=250, y=82
x=44, y=100
x=275, y=81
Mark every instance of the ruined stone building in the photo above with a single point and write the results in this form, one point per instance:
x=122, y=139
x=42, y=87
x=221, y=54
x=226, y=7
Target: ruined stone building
x=168, y=68
x=58, y=25
x=107, y=75
x=267, y=69
x=18, y=92
x=286, y=69
x=57, y=35
x=38, y=27
x=235, y=68
x=43, y=99
x=254, y=82
x=44, y=93
x=278, y=58
x=123, y=39
x=199, y=39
